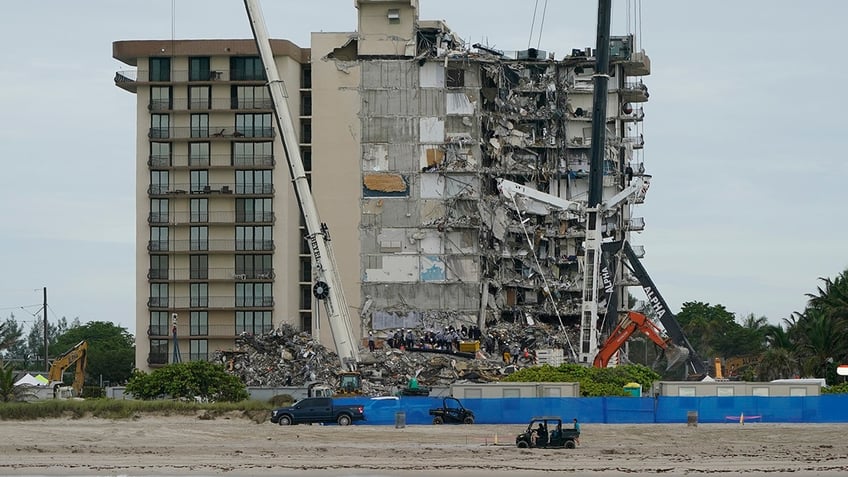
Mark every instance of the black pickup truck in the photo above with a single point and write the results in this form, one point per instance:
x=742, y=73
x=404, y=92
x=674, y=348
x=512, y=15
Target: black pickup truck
x=317, y=410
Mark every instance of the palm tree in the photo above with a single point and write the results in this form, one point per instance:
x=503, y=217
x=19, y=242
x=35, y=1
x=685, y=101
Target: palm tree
x=777, y=363
x=833, y=298
x=8, y=391
x=821, y=339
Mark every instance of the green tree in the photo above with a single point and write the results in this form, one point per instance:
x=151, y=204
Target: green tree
x=195, y=379
x=35, y=339
x=832, y=299
x=777, y=363
x=821, y=339
x=8, y=391
x=12, y=345
x=111, y=350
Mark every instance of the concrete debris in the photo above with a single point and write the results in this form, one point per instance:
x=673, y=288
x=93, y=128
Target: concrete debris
x=287, y=357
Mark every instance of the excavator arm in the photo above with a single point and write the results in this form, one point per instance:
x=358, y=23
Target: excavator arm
x=77, y=355
x=632, y=323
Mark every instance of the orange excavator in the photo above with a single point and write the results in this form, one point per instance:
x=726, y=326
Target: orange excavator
x=632, y=323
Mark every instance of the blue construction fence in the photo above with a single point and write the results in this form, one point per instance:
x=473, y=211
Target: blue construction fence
x=830, y=408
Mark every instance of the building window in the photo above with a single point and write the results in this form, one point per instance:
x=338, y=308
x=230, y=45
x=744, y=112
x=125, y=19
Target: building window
x=306, y=77
x=306, y=131
x=254, y=210
x=198, y=350
x=454, y=78
x=159, y=182
x=199, y=323
x=199, y=238
x=160, y=125
x=199, y=181
x=254, y=266
x=253, y=322
x=160, y=69
x=198, y=68
x=305, y=269
x=160, y=98
x=160, y=154
x=253, y=154
x=199, y=267
x=158, y=267
x=254, y=182
x=254, y=238
x=306, y=104
x=254, y=125
x=250, y=97
x=393, y=14
x=200, y=125
x=306, y=297
x=159, y=295
x=159, y=211
x=158, y=239
x=246, y=68
x=254, y=294
x=199, y=210
x=199, y=295
x=199, y=97
x=158, y=323
x=306, y=157
x=306, y=321
x=198, y=154
x=158, y=352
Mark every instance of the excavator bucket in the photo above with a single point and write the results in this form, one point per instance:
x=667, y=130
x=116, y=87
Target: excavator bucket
x=675, y=355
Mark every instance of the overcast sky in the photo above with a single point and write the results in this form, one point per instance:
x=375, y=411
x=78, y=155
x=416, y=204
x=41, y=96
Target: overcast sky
x=742, y=135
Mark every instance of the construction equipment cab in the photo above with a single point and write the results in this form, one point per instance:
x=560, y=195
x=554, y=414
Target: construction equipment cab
x=77, y=355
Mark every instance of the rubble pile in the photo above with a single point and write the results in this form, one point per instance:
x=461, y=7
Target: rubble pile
x=287, y=357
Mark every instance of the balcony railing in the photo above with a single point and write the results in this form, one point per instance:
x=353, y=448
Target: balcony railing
x=210, y=245
x=187, y=331
x=186, y=104
x=635, y=114
x=213, y=188
x=179, y=76
x=230, y=274
x=634, y=92
x=224, y=217
x=212, y=132
x=185, y=302
x=215, y=160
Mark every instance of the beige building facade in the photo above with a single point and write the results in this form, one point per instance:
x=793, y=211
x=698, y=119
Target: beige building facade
x=405, y=131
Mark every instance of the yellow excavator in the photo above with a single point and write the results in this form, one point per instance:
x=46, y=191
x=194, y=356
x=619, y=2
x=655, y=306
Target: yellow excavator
x=77, y=355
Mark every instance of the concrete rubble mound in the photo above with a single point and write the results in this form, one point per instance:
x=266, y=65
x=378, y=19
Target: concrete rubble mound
x=288, y=357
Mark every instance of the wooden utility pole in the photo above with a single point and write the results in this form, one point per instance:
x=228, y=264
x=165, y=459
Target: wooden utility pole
x=44, y=310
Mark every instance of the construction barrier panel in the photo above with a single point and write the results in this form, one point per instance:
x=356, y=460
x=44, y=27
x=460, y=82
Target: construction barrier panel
x=829, y=408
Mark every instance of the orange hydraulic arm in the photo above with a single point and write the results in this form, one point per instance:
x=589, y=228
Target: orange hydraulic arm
x=634, y=322
x=77, y=354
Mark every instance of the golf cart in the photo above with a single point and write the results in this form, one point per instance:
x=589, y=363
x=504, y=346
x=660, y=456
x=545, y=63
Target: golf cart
x=546, y=432
x=452, y=412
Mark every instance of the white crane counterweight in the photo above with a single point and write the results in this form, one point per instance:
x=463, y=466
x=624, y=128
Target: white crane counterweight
x=328, y=285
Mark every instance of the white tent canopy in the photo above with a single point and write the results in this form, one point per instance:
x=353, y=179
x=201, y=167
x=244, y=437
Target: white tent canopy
x=30, y=380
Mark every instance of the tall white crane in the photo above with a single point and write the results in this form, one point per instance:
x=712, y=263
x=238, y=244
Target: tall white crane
x=328, y=284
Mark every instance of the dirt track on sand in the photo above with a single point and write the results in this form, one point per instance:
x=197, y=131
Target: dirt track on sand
x=238, y=446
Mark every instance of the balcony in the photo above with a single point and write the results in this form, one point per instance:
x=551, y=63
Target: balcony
x=636, y=142
x=130, y=79
x=210, y=302
x=224, y=217
x=634, y=92
x=216, y=104
x=214, y=160
x=185, y=331
x=636, y=224
x=212, y=133
x=210, y=246
x=212, y=274
x=639, y=64
x=630, y=114
x=207, y=189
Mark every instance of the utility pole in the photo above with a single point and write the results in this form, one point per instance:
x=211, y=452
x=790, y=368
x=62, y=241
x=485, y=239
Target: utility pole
x=46, y=354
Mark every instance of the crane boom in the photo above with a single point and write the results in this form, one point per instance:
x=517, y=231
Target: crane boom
x=632, y=323
x=328, y=285
x=77, y=355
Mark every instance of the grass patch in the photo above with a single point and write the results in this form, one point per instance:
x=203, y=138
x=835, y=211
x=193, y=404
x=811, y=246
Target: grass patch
x=126, y=409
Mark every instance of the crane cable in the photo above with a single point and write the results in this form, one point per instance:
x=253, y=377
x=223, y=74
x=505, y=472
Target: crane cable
x=547, y=288
x=541, y=24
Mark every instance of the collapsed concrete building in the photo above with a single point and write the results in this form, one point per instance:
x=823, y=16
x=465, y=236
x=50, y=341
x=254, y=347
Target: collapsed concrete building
x=405, y=131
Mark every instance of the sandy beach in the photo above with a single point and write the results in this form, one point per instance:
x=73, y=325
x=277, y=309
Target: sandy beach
x=234, y=445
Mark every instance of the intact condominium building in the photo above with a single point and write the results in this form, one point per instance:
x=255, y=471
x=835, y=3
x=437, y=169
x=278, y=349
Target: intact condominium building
x=405, y=131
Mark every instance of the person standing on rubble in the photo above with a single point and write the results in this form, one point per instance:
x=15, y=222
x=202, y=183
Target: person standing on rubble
x=371, y=345
x=410, y=339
